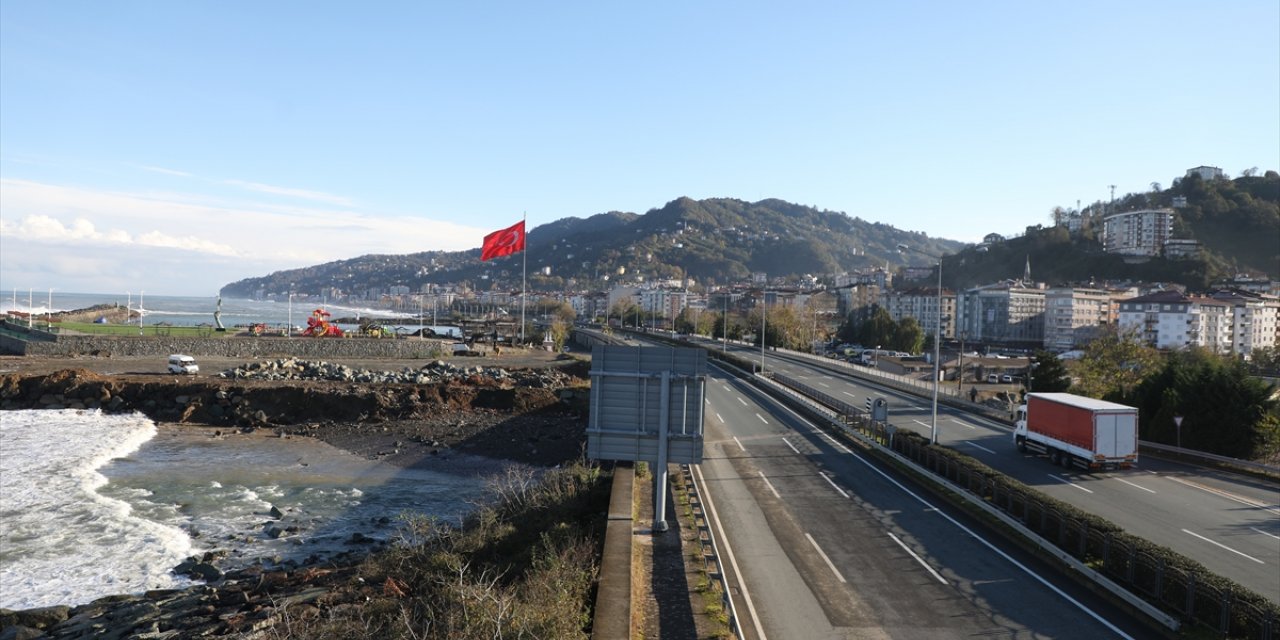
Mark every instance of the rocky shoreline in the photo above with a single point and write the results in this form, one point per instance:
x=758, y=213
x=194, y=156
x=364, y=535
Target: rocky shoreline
x=429, y=415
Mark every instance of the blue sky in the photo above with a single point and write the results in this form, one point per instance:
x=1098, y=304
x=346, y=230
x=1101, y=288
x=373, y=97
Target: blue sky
x=178, y=146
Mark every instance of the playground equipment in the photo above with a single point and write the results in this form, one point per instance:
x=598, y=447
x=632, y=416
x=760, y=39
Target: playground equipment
x=318, y=326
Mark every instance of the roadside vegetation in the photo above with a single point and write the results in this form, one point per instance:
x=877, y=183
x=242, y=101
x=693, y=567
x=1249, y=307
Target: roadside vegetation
x=521, y=566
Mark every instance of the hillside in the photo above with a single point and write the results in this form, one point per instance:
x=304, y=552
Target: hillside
x=713, y=241
x=1237, y=223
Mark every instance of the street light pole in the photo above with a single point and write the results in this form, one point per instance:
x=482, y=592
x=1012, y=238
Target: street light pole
x=937, y=347
x=764, y=312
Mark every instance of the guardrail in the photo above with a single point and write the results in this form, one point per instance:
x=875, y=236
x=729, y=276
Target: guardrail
x=710, y=551
x=1211, y=457
x=1170, y=586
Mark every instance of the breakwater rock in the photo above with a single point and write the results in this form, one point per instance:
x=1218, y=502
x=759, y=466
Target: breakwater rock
x=436, y=372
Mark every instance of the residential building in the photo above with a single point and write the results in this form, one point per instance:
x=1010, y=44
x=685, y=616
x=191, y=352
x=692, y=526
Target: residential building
x=1073, y=316
x=1181, y=249
x=1255, y=320
x=921, y=303
x=1206, y=173
x=1174, y=320
x=1137, y=233
x=1007, y=312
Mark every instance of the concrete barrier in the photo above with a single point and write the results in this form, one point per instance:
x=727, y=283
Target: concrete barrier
x=613, y=596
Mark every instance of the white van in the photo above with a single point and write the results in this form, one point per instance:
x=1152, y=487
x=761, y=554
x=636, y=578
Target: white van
x=179, y=363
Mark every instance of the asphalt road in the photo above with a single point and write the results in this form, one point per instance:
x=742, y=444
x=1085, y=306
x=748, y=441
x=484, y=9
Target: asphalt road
x=1228, y=523
x=828, y=545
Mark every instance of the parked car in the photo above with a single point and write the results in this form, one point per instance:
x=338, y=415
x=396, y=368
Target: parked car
x=993, y=378
x=1006, y=378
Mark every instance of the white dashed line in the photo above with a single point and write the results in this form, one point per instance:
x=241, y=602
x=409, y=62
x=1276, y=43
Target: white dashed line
x=833, y=484
x=1265, y=533
x=1136, y=486
x=974, y=444
x=793, y=447
x=1065, y=481
x=919, y=559
x=770, y=485
x=825, y=558
x=1223, y=546
x=735, y=439
x=762, y=418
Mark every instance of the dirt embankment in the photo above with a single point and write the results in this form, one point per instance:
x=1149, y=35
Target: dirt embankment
x=530, y=417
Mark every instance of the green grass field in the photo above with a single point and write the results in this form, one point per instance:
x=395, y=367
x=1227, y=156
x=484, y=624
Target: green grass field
x=146, y=330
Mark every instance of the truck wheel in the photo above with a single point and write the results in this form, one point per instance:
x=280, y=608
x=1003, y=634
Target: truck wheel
x=1022, y=445
x=1055, y=457
x=1066, y=461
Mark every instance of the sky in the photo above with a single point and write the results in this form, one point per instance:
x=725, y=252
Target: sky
x=175, y=147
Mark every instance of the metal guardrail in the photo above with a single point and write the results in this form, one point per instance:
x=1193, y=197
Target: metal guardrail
x=1191, y=453
x=710, y=551
x=1172, y=593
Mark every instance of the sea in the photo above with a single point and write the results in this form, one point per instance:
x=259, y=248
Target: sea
x=95, y=504
x=195, y=311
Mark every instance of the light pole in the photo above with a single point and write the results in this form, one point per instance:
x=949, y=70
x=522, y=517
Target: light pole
x=764, y=312
x=937, y=348
x=724, y=327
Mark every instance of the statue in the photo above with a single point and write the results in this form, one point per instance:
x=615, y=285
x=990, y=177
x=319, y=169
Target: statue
x=217, y=315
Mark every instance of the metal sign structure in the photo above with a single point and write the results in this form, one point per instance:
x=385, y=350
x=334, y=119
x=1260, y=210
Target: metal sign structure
x=647, y=406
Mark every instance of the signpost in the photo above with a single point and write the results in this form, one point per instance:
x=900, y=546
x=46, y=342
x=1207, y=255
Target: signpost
x=647, y=406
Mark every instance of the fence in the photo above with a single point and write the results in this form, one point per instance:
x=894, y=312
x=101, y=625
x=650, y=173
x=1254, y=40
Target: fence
x=1161, y=577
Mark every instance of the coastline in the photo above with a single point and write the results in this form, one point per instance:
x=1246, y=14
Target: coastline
x=471, y=427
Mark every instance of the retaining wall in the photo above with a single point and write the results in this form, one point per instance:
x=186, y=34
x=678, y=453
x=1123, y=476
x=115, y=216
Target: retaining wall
x=160, y=346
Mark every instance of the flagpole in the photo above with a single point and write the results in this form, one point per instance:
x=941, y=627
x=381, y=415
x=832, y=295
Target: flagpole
x=524, y=269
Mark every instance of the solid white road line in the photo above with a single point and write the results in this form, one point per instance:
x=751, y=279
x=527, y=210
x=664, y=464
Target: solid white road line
x=825, y=558
x=974, y=444
x=1226, y=494
x=920, y=560
x=769, y=484
x=793, y=447
x=1223, y=546
x=1137, y=486
x=1064, y=481
x=762, y=418
x=735, y=439
x=728, y=551
x=1079, y=605
x=1265, y=533
x=833, y=484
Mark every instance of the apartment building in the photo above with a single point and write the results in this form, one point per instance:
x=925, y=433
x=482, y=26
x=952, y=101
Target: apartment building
x=921, y=303
x=1073, y=316
x=1008, y=312
x=1137, y=233
x=1255, y=320
x=1235, y=323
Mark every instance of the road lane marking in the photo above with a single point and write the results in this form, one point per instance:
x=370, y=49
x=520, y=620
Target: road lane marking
x=920, y=560
x=1135, y=485
x=849, y=394
x=988, y=544
x=719, y=418
x=762, y=418
x=1065, y=481
x=1226, y=494
x=835, y=443
x=833, y=484
x=793, y=447
x=744, y=402
x=1239, y=553
x=728, y=551
x=735, y=439
x=963, y=424
x=825, y=558
x=769, y=484
x=708, y=402
x=1265, y=533
x=823, y=384
x=974, y=444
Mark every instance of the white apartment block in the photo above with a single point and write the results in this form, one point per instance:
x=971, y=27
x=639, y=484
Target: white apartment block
x=1006, y=312
x=1206, y=173
x=1073, y=316
x=1226, y=323
x=1137, y=233
x=922, y=304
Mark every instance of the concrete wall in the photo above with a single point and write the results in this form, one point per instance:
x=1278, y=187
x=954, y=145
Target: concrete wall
x=317, y=348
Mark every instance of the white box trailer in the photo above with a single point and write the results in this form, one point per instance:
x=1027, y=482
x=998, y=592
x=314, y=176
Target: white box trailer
x=1078, y=431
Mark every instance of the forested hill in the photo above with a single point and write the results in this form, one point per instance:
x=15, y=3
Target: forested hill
x=714, y=240
x=1237, y=223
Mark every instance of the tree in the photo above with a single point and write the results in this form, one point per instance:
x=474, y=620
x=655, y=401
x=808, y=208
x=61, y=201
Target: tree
x=1048, y=373
x=1113, y=365
x=1225, y=410
x=908, y=336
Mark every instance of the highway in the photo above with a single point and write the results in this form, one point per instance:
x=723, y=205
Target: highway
x=826, y=544
x=1228, y=523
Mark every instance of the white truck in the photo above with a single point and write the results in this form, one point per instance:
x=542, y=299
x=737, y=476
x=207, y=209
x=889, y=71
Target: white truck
x=1076, y=431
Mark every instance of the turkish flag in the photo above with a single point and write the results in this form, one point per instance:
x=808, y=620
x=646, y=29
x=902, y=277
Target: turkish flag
x=503, y=243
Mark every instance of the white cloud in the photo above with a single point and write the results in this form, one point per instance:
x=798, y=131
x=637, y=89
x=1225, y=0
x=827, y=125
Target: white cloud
x=171, y=172
x=193, y=242
x=318, y=196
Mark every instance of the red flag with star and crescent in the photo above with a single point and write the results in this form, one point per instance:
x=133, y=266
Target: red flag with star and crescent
x=503, y=243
